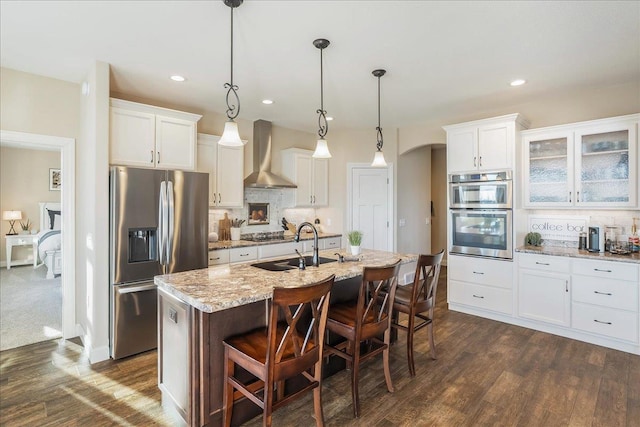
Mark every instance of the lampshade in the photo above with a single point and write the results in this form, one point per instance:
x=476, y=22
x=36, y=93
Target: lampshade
x=12, y=215
x=230, y=136
x=322, y=150
x=378, y=160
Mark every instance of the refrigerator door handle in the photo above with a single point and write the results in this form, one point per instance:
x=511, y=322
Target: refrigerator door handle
x=170, y=220
x=161, y=224
x=131, y=289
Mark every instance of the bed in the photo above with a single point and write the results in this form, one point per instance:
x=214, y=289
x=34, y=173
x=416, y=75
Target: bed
x=50, y=239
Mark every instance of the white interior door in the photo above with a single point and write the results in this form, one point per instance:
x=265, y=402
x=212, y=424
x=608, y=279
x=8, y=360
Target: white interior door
x=370, y=211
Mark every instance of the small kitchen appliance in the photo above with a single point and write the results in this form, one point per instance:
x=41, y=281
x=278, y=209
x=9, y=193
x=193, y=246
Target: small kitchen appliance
x=595, y=240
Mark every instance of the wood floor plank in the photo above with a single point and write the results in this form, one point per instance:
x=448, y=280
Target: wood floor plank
x=487, y=374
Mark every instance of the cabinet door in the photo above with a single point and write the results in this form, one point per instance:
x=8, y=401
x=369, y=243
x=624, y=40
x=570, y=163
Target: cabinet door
x=606, y=173
x=495, y=147
x=175, y=143
x=303, y=172
x=320, y=182
x=230, y=176
x=462, y=146
x=544, y=296
x=206, y=162
x=132, y=138
x=548, y=169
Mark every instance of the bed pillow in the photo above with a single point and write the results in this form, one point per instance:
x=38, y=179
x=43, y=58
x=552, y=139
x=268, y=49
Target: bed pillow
x=54, y=219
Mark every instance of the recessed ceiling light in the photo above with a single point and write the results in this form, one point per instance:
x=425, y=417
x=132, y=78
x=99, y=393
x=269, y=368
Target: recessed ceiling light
x=518, y=82
x=177, y=78
x=267, y=101
x=329, y=118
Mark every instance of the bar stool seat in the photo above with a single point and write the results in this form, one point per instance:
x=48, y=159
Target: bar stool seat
x=290, y=346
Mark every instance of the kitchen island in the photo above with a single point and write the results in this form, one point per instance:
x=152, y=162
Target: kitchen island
x=198, y=309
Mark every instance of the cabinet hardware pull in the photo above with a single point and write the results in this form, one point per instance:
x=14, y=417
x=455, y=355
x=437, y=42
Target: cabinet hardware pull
x=566, y=286
x=219, y=198
x=310, y=199
x=577, y=197
x=569, y=196
x=158, y=157
x=603, y=271
x=151, y=156
x=244, y=254
x=478, y=272
x=214, y=259
x=606, y=323
x=478, y=296
x=542, y=263
x=474, y=161
x=480, y=163
x=603, y=293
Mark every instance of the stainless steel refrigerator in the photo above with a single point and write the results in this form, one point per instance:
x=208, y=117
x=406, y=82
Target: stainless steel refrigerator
x=158, y=224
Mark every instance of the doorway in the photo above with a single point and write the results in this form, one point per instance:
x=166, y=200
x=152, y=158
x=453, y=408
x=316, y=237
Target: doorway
x=370, y=204
x=66, y=146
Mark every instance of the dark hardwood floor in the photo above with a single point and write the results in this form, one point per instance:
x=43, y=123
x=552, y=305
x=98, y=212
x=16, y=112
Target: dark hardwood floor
x=487, y=373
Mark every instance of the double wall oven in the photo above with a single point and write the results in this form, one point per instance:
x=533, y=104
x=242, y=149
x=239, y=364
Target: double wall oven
x=480, y=214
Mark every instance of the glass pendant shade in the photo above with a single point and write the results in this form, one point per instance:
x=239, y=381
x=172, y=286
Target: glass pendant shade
x=378, y=160
x=230, y=136
x=322, y=150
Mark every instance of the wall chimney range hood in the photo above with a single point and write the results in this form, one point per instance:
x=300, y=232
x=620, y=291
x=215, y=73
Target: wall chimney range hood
x=262, y=176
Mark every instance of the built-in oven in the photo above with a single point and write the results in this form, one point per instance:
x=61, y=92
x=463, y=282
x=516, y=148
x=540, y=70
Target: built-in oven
x=486, y=190
x=481, y=232
x=480, y=214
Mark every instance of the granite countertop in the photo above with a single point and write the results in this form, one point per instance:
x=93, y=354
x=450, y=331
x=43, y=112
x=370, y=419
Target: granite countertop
x=221, y=287
x=226, y=244
x=576, y=253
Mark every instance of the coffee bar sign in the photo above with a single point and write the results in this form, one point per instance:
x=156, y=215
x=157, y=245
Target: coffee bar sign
x=552, y=227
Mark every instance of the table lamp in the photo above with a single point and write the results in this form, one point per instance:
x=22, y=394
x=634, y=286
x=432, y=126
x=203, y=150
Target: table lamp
x=12, y=217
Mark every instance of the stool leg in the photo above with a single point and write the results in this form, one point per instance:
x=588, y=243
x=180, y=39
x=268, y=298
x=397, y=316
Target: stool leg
x=385, y=360
x=227, y=399
x=432, y=343
x=354, y=379
x=410, y=326
x=317, y=395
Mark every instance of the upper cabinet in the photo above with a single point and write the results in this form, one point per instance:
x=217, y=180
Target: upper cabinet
x=589, y=164
x=309, y=174
x=225, y=166
x=151, y=137
x=483, y=145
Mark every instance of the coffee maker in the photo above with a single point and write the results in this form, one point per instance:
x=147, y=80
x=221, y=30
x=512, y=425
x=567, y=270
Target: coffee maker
x=595, y=239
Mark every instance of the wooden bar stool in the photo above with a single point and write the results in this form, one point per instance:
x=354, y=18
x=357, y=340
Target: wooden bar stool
x=365, y=320
x=418, y=300
x=289, y=346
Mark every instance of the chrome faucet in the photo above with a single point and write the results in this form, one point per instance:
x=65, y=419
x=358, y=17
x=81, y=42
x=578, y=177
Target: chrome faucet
x=315, y=261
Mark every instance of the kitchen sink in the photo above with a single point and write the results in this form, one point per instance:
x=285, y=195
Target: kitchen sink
x=289, y=263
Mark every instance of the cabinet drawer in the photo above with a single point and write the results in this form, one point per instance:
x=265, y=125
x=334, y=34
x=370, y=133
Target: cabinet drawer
x=331, y=243
x=481, y=271
x=609, y=322
x=545, y=263
x=249, y=253
x=606, y=269
x=485, y=297
x=219, y=256
x=609, y=293
x=279, y=249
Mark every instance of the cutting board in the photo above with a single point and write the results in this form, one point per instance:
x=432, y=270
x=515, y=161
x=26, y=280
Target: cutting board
x=224, y=228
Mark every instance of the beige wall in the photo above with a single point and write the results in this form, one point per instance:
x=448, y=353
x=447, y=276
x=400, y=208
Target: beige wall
x=439, y=188
x=24, y=182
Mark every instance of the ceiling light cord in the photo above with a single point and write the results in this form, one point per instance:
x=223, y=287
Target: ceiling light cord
x=323, y=125
x=232, y=109
x=379, y=138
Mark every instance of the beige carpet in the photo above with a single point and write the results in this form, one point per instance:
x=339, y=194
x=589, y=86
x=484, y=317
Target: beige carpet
x=30, y=306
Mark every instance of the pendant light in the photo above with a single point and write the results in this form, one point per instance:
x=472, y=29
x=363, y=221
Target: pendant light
x=378, y=158
x=322, y=149
x=230, y=136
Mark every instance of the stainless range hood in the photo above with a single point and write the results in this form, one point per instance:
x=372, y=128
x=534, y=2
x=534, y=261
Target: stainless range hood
x=262, y=176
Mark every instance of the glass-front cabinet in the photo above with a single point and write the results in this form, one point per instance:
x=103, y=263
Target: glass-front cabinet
x=590, y=164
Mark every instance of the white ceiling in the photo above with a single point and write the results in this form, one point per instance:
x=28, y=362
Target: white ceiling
x=441, y=57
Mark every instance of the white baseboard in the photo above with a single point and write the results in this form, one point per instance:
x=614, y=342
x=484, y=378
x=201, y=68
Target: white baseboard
x=97, y=354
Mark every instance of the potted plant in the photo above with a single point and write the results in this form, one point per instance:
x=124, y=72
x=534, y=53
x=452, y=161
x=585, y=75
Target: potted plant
x=25, y=226
x=355, y=239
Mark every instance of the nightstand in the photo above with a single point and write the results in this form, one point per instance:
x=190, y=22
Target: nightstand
x=22, y=240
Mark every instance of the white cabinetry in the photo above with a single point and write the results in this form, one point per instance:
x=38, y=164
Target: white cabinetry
x=589, y=164
x=544, y=289
x=605, y=300
x=225, y=166
x=484, y=284
x=309, y=174
x=483, y=145
x=152, y=137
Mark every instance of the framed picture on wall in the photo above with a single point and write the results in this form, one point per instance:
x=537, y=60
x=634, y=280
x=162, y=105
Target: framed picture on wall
x=55, y=180
x=258, y=213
